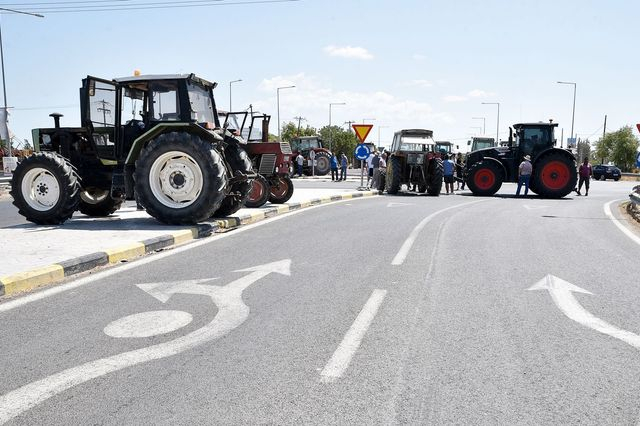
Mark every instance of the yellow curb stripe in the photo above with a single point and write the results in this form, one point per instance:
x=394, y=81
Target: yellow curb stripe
x=304, y=204
x=282, y=208
x=180, y=237
x=125, y=252
x=346, y=196
x=325, y=199
x=25, y=281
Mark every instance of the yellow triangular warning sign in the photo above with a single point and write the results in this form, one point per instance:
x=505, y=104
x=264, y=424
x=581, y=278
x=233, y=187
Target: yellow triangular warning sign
x=362, y=130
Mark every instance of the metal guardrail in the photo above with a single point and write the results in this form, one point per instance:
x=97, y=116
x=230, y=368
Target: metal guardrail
x=635, y=197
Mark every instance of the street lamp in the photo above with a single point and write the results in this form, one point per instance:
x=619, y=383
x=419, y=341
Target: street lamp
x=278, y=96
x=232, y=81
x=330, y=132
x=484, y=124
x=498, y=120
x=4, y=85
x=573, y=112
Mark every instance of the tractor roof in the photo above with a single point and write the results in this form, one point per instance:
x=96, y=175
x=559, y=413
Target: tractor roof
x=157, y=77
x=416, y=132
x=538, y=124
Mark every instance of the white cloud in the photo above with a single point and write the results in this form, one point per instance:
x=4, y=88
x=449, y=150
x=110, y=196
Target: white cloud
x=454, y=98
x=423, y=84
x=477, y=93
x=348, y=52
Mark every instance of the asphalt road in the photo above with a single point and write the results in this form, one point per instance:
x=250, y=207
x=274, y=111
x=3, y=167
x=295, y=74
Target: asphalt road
x=405, y=309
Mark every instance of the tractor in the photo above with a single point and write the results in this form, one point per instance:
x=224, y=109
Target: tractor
x=155, y=138
x=271, y=160
x=554, y=169
x=413, y=162
x=304, y=145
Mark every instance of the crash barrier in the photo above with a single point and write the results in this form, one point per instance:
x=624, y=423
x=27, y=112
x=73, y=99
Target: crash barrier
x=633, y=208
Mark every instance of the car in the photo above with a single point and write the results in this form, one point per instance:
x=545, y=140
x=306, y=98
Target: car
x=604, y=172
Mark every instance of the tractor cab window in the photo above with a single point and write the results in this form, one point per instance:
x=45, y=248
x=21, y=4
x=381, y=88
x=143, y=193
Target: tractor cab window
x=201, y=101
x=534, y=139
x=132, y=105
x=255, y=130
x=416, y=143
x=235, y=121
x=164, y=98
x=102, y=104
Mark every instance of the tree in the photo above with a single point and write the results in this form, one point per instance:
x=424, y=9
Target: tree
x=338, y=140
x=290, y=131
x=619, y=147
x=584, y=150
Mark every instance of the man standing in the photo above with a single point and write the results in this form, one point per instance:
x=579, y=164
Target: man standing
x=369, y=168
x=334, y=168
x=343, y=166
x=448, y=167
x=375, y=162
x=585, y=173
x=299, y=162
x=524, y=175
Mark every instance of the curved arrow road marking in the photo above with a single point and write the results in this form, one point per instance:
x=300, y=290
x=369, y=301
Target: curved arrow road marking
x=562, y=291
x=231, y=313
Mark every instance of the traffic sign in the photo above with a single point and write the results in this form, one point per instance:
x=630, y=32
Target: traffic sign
x=362, y=151
x=362, y=130
x=638, y=160
x=638, y=126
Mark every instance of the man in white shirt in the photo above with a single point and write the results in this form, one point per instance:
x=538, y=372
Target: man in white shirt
x=369, y=161
x=524, y=175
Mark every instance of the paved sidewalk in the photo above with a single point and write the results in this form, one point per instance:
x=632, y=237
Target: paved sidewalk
x=40, y=255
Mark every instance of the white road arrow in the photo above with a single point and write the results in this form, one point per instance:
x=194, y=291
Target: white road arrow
x=231, y=313
x=398, y=204
x=562, y=291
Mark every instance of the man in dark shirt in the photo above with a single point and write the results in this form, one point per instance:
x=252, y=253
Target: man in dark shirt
x=585, y=173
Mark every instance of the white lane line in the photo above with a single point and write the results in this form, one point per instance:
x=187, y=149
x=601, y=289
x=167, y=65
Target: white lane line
x=79, y=282
x=406, y=246
x=341, y=358
x=616, y=222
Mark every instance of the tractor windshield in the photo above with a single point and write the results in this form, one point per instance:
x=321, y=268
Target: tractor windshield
x=416, y=143
x=201, y=101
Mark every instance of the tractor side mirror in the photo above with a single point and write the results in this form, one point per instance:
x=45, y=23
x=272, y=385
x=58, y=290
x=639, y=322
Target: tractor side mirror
x=469, y=143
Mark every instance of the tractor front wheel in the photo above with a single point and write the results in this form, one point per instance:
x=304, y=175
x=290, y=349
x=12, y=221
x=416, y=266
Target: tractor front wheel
x=393, y=175
x=555, y=175
x=323, y=163
x=281, y=190
x=435, y=178
x=484, y=178
x=237, y=196
x=180, y=178
x=45, y=188
x=259, y=193
x=97, y=202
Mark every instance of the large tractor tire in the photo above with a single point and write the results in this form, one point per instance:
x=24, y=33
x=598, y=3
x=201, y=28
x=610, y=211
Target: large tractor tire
x=382, y=181
x=393, y=175
x=180, y=178
x=45, y=188
x=97, y=202
x=555, y=175
x=323, y=163
x=281, y=190
x=259, y=193
x=240, y=162
x=484, y=178
x=436, y=177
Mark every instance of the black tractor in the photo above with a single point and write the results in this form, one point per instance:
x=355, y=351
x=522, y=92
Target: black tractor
x=154, y=138
x=554, y=169
x=413, y=162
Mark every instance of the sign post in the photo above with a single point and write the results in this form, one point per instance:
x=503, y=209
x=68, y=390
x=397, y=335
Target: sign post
x=312, y=160
x=362, y=151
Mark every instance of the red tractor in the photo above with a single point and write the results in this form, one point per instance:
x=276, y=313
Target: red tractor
x=271, y=160
x=304, y=145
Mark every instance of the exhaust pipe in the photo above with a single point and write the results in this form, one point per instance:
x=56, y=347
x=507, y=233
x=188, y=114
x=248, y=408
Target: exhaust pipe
x=56, y=119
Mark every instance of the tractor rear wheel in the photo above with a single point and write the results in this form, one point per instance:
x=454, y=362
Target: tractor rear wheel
x=323, y=163
x=393, y=175
x=237, y=196
x=281, y=190
x=484, y=178
x=180, y=178
x=97, y=202
x=45, y=188
x=555, y=175
x=435, y=178
x=259, y=193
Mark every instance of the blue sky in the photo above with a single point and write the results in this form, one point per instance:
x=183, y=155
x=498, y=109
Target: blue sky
x=406, y=63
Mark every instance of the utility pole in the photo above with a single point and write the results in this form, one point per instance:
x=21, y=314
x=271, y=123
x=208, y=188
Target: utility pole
x=349, y=123
x=299, y=120
x=104, y=110
x=604, y=130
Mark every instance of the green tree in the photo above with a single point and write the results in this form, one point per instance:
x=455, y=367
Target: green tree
x=290, y=131
x=584, y=150
x=619, y=147
x=338, y=140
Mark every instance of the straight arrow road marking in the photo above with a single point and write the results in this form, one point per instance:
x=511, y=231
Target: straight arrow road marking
x=232, y=312
x=341, y=358
x=562, y=291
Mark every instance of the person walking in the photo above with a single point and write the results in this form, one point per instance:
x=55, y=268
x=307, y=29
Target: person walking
x=299, y=162
x=369, y=168
x=524, y=175
x=448, y=167
x=459, y=171
x=382, y=171
x=343, y=166
x=375, y=162
x=334, y=168
x=584, y=171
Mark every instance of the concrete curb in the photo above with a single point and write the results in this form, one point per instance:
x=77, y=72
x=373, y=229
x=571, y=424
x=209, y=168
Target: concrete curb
x=22, y=282
x=29, y=280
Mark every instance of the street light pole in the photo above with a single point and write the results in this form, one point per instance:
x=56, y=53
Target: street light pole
x=484, y=124
x=330, y=131
x=573, y=111
x=497, y=121
x=232, y=81
x=278, y=97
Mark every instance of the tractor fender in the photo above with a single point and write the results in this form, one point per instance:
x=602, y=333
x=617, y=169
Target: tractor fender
x=546, y=152
x=497, y=162
x=161, y=128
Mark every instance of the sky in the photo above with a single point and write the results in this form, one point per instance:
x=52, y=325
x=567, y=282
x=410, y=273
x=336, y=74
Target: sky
x=395, y=64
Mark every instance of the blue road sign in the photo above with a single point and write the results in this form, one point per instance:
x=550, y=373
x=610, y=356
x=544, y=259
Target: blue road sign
x=638, y=160
x=362, y=151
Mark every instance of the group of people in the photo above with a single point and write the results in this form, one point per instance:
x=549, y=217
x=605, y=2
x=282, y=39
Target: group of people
x=376, y=163
x=344, y=162
x=453, y=166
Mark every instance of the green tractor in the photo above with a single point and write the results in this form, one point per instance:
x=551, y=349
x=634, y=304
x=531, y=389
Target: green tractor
x=154, y=138
x=554, y=169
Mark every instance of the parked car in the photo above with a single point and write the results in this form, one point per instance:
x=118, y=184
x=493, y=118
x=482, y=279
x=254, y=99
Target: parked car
x=604, y=172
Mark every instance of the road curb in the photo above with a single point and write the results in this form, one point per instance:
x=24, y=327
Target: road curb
x=30, y=280
x=22, y=282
